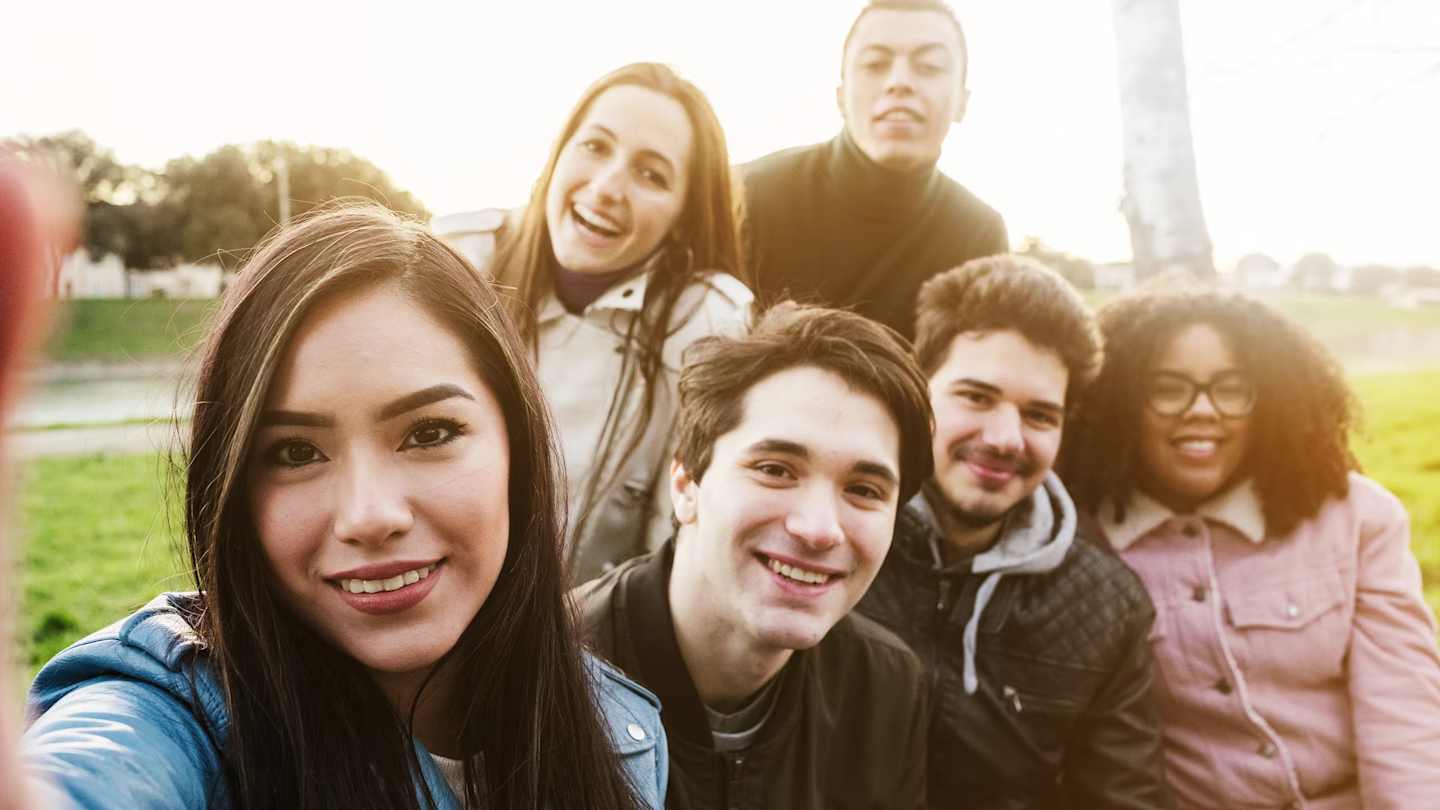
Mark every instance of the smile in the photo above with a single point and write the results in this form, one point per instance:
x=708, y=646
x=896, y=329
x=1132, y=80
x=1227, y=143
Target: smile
x=1199, y=449
x=394, y=583
x=901, y=115
x=594, y=222
x=790, y=572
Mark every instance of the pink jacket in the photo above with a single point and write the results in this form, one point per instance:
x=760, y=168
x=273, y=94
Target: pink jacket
x=1297, y=671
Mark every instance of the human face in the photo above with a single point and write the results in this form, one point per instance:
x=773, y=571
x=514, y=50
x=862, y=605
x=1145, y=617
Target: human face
x=794, y=515
x=902, y=86
x=620, y=183
x=1186, y=459
x=999, y=403
x=381, y=465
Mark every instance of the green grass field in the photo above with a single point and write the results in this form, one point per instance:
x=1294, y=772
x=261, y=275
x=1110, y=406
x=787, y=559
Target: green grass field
x=149, y=328
x=101, y=531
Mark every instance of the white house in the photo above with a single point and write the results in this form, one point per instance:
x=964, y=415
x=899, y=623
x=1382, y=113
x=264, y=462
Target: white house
x=80, y=277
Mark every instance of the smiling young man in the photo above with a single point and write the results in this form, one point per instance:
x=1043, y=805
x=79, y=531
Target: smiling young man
x=1035, y=638
x=862, y=220
x=796, y=445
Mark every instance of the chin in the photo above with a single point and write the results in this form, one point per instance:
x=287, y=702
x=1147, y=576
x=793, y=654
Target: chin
x=793, y=634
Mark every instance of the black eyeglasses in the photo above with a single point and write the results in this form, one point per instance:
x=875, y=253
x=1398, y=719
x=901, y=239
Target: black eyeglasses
x=1170, y=394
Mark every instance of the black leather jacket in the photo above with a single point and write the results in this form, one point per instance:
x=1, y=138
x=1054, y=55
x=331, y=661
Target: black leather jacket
x=847, y=732
x=1061, y=717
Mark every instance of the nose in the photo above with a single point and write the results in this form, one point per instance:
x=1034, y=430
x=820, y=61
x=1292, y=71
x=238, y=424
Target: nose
x=900, y=79
x=609, y=181
x=815, y=521
x=1002, y=431
x=370, y=507
x=1202, y=407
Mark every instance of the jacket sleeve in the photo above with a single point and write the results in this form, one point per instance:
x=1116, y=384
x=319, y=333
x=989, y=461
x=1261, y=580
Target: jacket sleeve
x=1394, y=669
x=1115, y=760
x=119, y=743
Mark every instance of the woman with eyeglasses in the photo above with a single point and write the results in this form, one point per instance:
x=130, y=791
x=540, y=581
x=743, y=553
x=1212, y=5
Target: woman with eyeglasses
x=1295, y=654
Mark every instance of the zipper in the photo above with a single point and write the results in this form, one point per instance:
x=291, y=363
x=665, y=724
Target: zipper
x=1014, y=697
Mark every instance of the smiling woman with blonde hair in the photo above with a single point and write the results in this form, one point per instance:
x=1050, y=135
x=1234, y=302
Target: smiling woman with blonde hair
x=373, y=524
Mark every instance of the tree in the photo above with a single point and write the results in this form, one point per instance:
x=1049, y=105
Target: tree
x=1315, y=271
x=1162, y=191
x=1077, y=271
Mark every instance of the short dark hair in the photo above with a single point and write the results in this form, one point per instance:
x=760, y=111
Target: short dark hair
x=1008, y=292
x=936, y=6
x=1299, y=453
x=872, y=359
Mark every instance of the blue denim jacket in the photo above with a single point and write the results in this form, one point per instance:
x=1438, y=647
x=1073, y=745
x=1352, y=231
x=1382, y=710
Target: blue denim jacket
x=113, y=722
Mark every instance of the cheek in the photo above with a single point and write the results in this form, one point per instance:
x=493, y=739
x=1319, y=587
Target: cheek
x=291, y=522
x=659, y=213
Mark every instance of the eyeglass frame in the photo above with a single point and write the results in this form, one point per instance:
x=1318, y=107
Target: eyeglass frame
x=1197, y=388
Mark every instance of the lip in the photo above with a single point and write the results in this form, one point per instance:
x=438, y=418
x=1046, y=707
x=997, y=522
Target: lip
x=387, y=602
x=791, y=588
x=382, y=570
x=907, y=115
x=588, y=236
x=988, y=474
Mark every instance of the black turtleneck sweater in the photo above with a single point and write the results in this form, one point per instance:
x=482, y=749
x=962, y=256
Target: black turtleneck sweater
x=825, y=224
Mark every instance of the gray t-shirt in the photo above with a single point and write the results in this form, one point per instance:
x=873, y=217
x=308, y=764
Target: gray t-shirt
x=737, y=730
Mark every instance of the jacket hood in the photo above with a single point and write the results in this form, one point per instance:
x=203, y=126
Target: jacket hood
x=1035, y=538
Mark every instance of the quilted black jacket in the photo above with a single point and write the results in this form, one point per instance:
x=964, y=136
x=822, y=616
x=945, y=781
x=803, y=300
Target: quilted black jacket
x=1062, y=716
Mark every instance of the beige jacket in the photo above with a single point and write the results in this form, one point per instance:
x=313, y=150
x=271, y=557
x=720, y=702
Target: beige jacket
x=580, y=359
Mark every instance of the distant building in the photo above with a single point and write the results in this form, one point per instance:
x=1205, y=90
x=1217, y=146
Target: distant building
x=185, y=281
x=1256, y=271
x=82, y=277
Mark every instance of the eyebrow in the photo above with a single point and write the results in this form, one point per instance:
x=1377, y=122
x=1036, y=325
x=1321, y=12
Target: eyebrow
x=787, y=447
x=643, y=152
x=971, y=382
x=919, y=50
x=390, y=410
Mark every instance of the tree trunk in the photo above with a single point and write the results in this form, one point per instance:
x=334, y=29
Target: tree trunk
x=1162, y=192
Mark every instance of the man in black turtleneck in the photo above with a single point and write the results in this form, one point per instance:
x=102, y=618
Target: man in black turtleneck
x=863, y=220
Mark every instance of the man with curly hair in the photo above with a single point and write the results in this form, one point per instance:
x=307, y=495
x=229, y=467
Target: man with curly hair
x=1034, y=636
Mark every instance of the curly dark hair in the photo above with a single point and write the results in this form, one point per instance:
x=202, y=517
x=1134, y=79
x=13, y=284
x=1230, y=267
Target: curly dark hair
x=1299, y=453
x=1008, y=292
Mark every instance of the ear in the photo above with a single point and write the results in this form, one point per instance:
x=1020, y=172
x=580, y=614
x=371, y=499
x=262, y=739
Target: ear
x=840, y=99
x=961, y=104
x=683, y=494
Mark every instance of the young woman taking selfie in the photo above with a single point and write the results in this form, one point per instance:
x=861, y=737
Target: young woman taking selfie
x=619, y=261
x=1295, y=651
x=372, y=514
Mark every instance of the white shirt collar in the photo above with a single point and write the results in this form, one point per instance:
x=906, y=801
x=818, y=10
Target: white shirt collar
x=1239, y=508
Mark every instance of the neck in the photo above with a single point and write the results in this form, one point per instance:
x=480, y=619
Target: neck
x=434, y=722
x=965, y=540
x=868, y=185
x=726, y=665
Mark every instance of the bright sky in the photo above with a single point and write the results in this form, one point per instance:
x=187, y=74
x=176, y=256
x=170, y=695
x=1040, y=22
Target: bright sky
x=1316, y=122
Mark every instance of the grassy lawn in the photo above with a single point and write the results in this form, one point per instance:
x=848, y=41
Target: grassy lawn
x=101, y=531
x=120, y=330
x=97, y=544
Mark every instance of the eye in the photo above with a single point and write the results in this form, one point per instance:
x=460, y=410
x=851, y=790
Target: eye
x=774, y=469
x=429, y=433
x=293, y=453
x=979, y=399
x=1047, y=419
x=875, y=65
x=929, y=69
x=867, y=491
x=594, y=146
x=654, y=178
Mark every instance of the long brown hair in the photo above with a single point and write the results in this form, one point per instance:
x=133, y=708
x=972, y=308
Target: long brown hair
x=1299, y=453
x=704, y=238
x=308, y=728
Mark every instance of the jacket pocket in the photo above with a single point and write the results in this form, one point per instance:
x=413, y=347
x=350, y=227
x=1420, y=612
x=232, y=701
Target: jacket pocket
x=1296, y=630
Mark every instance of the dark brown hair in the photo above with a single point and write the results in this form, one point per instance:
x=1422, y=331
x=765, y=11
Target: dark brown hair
x=1008, y=292
x=872, y=359
x=936, y=6
x=1299, y=452
x=705, y=238
x=308, y=727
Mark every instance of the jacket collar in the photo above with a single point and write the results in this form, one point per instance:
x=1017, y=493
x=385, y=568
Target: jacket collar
x=1238, y=507
x=662, y=669
x=1034, y=539
x=624, y=296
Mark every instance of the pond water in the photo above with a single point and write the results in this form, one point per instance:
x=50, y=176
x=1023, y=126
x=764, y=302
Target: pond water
x=91, y=401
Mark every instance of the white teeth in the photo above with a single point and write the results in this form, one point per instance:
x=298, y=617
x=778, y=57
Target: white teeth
x=595, y=220
x=1197, y=447
x=392, y=584
x=799, y=574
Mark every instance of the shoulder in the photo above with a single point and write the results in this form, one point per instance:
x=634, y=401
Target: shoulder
x=155, y=645
x=1091, y=567
x=473, y=234
x=631, y=716
x=764, y=172
x=964, y=201
x=715, y=303
x=861, y=645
